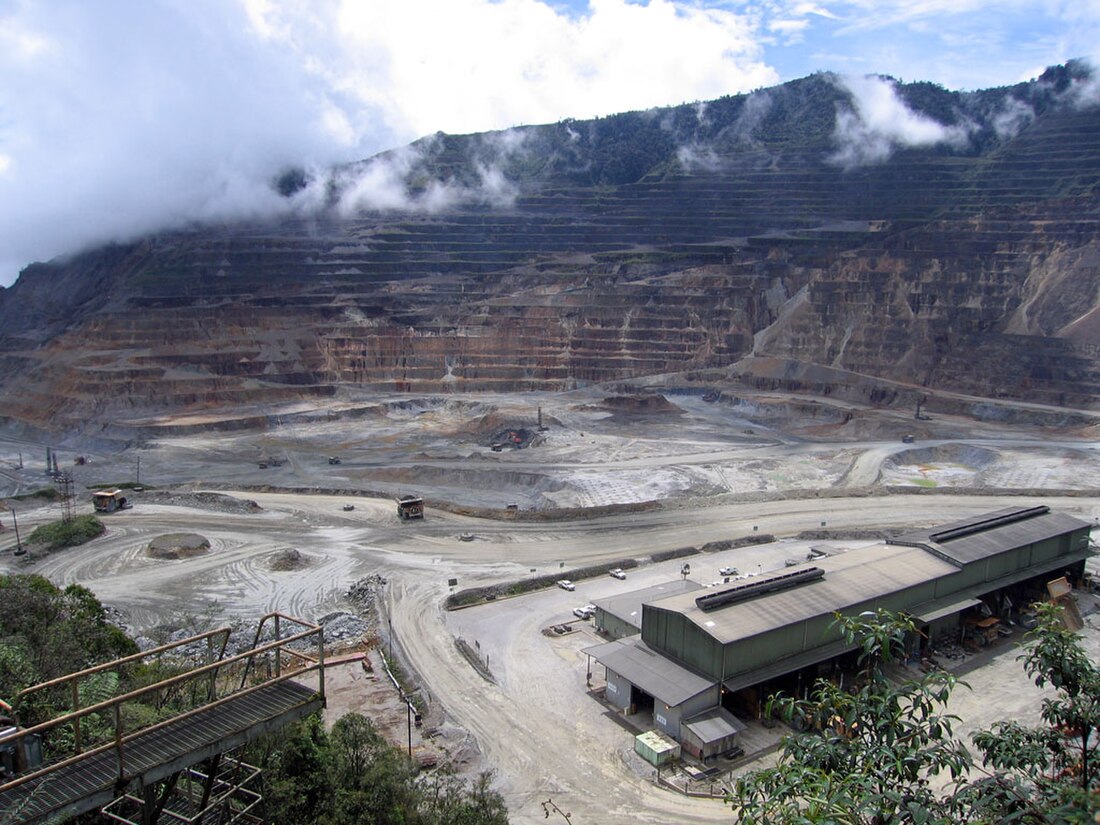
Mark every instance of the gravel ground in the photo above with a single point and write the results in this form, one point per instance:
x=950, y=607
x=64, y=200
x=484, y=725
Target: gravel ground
x=372, y=578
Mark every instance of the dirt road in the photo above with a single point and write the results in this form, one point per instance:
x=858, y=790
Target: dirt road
x=537, y=728
x=716, y=475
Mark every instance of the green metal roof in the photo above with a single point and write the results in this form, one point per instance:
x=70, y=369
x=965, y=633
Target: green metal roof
x=853, y=578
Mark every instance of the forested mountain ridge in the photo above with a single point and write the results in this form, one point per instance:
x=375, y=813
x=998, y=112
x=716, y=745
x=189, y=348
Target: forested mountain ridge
x=944, y=240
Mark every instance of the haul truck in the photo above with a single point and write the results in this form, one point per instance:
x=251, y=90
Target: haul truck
x=410, y=507
x=107, y=501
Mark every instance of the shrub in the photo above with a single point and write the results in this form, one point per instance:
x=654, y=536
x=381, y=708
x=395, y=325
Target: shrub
x=70, y=533
x=46, y=493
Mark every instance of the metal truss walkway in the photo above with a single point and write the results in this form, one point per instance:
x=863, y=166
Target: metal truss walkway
x=237, y=705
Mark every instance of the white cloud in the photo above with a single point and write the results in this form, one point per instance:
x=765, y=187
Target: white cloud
x=792, y=29
x=962, y=44
x=1012, y=116
x=880, y=122
x=518, y=62
x=698, y=158
x=379, y=183
x=878, y=14
x=145, y=116
x=1085, y=93
x=812, y=9
x=397, y=179
x=119, y=120
x=19, y=41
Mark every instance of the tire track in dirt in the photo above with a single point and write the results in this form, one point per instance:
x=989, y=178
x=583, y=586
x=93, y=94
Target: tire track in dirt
x=526, y=728
x=537, y=754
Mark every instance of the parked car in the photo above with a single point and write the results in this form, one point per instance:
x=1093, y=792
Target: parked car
x=617, y=572
x=727, y=571
x=565, y=584
x=348, y=508
x=586, y=612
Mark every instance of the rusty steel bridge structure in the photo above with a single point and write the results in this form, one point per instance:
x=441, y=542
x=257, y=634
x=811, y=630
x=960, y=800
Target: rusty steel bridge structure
x=147, y=753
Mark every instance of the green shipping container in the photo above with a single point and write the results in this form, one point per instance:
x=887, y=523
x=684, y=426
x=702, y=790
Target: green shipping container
x=656, y=748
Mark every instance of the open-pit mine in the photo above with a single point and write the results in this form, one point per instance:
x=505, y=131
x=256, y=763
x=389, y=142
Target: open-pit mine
x=749, y=348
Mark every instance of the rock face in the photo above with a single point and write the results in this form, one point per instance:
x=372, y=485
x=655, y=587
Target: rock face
x=671, y=241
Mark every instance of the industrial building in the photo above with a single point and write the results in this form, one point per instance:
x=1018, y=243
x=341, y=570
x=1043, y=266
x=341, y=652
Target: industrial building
x=620, y=616
x=704, y=657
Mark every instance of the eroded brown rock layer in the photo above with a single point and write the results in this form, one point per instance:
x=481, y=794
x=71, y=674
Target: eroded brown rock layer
x=972, y=272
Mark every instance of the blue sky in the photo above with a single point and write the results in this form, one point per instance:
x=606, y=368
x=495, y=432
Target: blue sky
x=962, y=44
x=122, y=117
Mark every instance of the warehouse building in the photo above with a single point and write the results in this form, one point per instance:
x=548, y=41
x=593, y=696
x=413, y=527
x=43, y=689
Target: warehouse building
x=728, y=649
x=620, y=616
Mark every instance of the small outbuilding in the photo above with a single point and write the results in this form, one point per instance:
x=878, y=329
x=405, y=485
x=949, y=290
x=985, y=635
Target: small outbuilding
x=656, y=748
x=641, y=680
x=711, y=733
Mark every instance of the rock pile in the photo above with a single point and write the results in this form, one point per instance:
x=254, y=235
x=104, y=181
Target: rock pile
x=287, y=558
x=218, y=502
x=177, y=546
x=341, y=626
x=364, y=593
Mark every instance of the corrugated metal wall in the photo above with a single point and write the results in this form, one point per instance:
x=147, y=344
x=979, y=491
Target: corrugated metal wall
x=673, y=634
x=613, y=626
x=618, y=690
x=676, y=636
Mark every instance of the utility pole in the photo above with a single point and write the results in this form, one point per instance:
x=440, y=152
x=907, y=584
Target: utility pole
x=65, y=488
x=18, y=544
x=139, y=470
x=409, y=715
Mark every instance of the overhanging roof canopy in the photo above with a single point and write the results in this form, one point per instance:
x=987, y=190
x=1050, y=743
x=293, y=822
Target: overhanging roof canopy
x=931, y=611
x=657, y=675
x=788, y=664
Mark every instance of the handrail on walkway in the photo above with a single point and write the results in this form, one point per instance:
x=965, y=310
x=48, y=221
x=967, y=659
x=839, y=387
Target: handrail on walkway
x=221, y=666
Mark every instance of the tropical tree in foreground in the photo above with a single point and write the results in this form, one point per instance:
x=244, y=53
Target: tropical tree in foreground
x=1054, y=768
x=353, y=776
x=870, y=753
x=885, y=751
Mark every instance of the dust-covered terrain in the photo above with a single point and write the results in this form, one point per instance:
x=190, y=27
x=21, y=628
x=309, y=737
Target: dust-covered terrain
x=515, y=486
x=544, y=451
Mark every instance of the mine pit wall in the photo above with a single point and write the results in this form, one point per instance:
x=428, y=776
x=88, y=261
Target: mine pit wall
x=941, y=298
x=160, y=359
x=953, y=272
